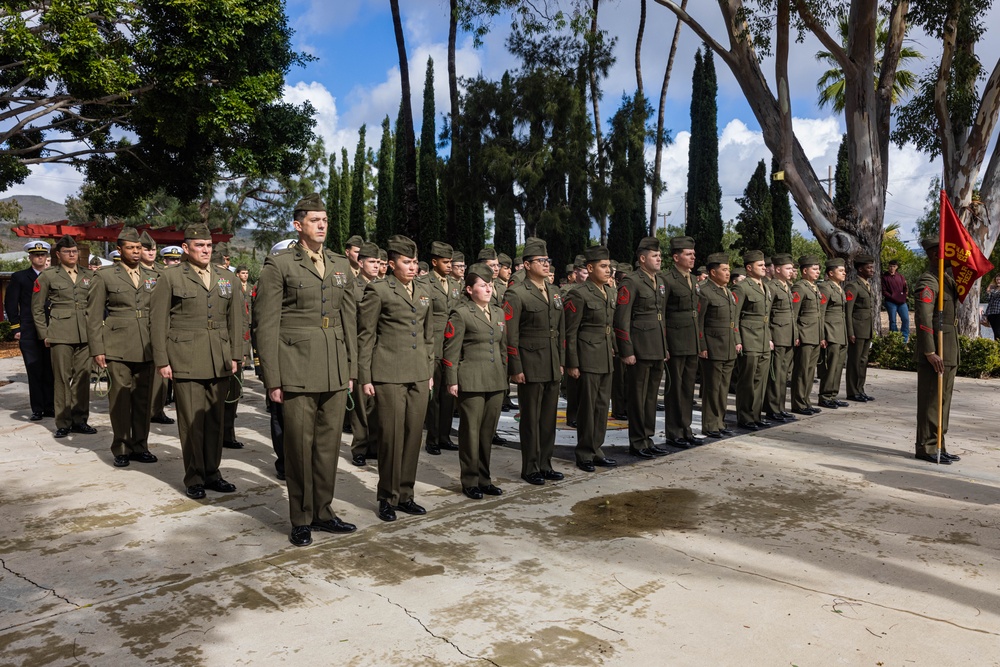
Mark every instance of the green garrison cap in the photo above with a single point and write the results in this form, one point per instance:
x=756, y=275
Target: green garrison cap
x=354, y=242
x=782, y=258
x=368, y=250
x=147, y=241
x=66, y=242
x=382, y=255
x=928, y=243
x=808, y=260
x=401, y=245
x=478, y=270
x=485, y=254
x=311, y=202
x=681, y=243
x=863, y=259
x=648, y=243
x=715, y=259
x=738, y=272
x=458, y=257
x=504, y=260
x=751, y=256
x=442, y=250
x=128, y=235
x=197, y=231
x=596, y=253
x=579, y=262
x=834, y=263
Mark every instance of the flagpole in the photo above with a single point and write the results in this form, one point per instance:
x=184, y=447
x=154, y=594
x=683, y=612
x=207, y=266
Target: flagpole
x=940, y=327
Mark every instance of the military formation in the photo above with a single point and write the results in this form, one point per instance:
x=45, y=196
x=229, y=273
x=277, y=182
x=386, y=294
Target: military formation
x=378, y=344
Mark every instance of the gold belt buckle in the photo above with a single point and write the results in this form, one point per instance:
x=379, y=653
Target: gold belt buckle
x=326, y=322
x=138, y=314
x=607, y=330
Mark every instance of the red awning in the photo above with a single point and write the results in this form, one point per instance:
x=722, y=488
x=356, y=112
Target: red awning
x=91, y=232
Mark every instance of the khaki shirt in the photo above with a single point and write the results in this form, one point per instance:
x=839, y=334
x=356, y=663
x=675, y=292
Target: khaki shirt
x=118, y=314
x=59, y=305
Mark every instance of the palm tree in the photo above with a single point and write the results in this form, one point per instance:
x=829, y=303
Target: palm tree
x=831, y=84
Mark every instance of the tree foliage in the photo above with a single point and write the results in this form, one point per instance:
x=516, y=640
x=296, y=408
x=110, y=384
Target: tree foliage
x=704, y=195
x=781, y=212
x=754, y=223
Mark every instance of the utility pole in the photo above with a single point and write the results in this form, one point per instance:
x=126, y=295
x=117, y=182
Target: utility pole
x=829, y=181
x=664, y=216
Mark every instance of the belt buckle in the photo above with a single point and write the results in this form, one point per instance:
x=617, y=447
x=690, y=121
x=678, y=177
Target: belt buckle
x=607, y=330
x=326, y=322
x=138, y=314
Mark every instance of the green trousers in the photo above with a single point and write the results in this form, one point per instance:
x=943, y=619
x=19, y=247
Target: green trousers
x=537, y=402
x=71, y=383
x=831, y=371
x=803, y=374
x=401, y=411
x=313, y=423
x=777, y=380
x=129, y=405
x=857, y=365
x=200, y=408
x=927, y=406
x=478, y=414
x=158, y=395
x=715, y=376
x=233, y=394
x=679, y=397
x=592, y=419
x=619, y=388
x=440, y=409
x=752, y=385
x=364, y=424
x=642, y=382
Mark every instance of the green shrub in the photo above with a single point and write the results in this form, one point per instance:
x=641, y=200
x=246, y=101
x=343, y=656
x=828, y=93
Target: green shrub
x=980, y=357
x=890, y=351
x=5, y=334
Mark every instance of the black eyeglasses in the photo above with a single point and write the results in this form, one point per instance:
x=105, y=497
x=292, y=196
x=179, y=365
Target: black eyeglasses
x=541, y=260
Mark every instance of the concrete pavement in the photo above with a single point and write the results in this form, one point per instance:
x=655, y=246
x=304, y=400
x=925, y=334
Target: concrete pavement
x=821, y=542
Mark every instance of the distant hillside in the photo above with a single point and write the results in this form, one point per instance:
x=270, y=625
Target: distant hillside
x=36, y=209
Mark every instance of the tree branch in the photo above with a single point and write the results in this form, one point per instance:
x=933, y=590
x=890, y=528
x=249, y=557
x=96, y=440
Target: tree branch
x=698, y=29
x=817, y=28
x=945, y=135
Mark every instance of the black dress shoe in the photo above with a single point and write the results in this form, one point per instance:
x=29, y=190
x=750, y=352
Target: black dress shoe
x=347, y=428
x=359, y=460
x=433, y=450
x=280, y=474
x=196, y=491
x=660, y=407
x=220, y=485
x=35, y=417
x=535, y=478
x=807, y=412
x=933, y=458
x=333, y=525
x=472, y=492
x=868, y=397
x=763, y=423
x=162, y=419
x=553, y=475
x=726, y=432
x=571, y=424
x=121, y=461
x=749, y=426
x=84, y=428
x=491, y=490
x=658, y=451
x=142, y=457
x=712, y=434
x=497, y=440
x=301, y=536
x=788, y=415
x=586, y=466
x=48, y=413
x=841, y=404
x=385, y=511
x=641, y=453
x=776, y=417
x=829, y=404
x=232, y=444
x=683, y=443
x=605, y=462
x=950, y=457
x=450, y=446
x=411, y=507
x=813, y=409
x=61, y=432
x=621, y=418
x=510, y=405
x=858, y=398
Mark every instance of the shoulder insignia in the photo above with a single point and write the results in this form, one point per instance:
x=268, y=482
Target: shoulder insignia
x=850, y=295
x=446, y=363
x=736, y=298
x=508, y=310
x=568, y=305
x=823, y=298
x=796, y=297
x=449, y=330
x=927, y=295
x=623, y=295
x=37, y=287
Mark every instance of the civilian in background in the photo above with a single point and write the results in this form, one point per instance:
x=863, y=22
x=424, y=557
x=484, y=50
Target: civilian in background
x=895, y=292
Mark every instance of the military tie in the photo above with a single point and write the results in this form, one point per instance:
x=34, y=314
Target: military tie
x=317, y=260
x=134, y=275
x=72, y=275
x=206, y=278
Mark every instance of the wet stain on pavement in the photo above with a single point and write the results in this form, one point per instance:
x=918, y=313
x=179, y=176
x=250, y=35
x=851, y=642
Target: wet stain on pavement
x=553, y=645
x=388, y=565
x=631, y=514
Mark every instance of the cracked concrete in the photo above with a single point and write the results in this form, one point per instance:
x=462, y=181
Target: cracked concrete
x=815, y=543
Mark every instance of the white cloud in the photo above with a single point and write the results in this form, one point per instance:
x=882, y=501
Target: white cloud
x=52, y=181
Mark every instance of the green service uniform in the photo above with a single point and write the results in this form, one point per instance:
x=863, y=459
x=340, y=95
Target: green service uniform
x=159, y=390
x=235, y=392
x=719, y=332
x=536, y=337
x=684, y=344
x=835, y=333
x=753, y=301
x=590, y=346
x=304, y=324
x=364, y=420
x=784, y=332
x=396, y=354
x=926, y=324
x=641, y=333
x=475, y=359
x=445, y=294
x=808, y=317
x=118, y=328
x=59, y=310
x=194, y=330
x=571, y=385
x=860, y=316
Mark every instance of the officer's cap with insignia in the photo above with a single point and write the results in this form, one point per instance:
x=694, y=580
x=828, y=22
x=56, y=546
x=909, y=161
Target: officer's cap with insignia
x=401, y=245
x=115, y=255
x=596, y=253
x=834, y=263
x=442, y=250
x=579, y=262
x=716, y=259
x=311, y=202
x=504, y=260
x=862, y=259
x=679, y=243
x=197, y=232
x=534, y=247
x=458, y=258
x=929, y=243
x=368, y=250
x=781, y=259
x=171, y=252
x=478, y=270
x=648, y=243
x=37, y=247
x=282, y=245
x=806, y=261
x=147, y=241
x=354, y=242
x=486, y=254
x=128, y=235
x=751, y=256
x=66, y=242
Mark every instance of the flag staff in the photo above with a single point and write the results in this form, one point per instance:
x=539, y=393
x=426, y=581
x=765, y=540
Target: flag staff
x=940, y=326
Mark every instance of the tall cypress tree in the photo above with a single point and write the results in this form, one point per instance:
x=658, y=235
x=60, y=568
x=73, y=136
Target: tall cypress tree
x=427, y=167
x=357, y=219
x=753, y=224
x=384, y=203
x=704, y=197
x=638, y=132
x=781, y=213
x=504, y=221
x=346, y=186
x=335, y=229
x=628, y=178
x=842, y=182
x=398, y=211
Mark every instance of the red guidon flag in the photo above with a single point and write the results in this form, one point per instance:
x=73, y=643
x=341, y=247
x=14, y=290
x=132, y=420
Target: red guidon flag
x=967, y=261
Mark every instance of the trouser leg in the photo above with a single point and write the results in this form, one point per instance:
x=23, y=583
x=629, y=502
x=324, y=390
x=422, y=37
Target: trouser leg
x=595, y=397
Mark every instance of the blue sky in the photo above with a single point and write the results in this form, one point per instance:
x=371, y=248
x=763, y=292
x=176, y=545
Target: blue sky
x=355, y=80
